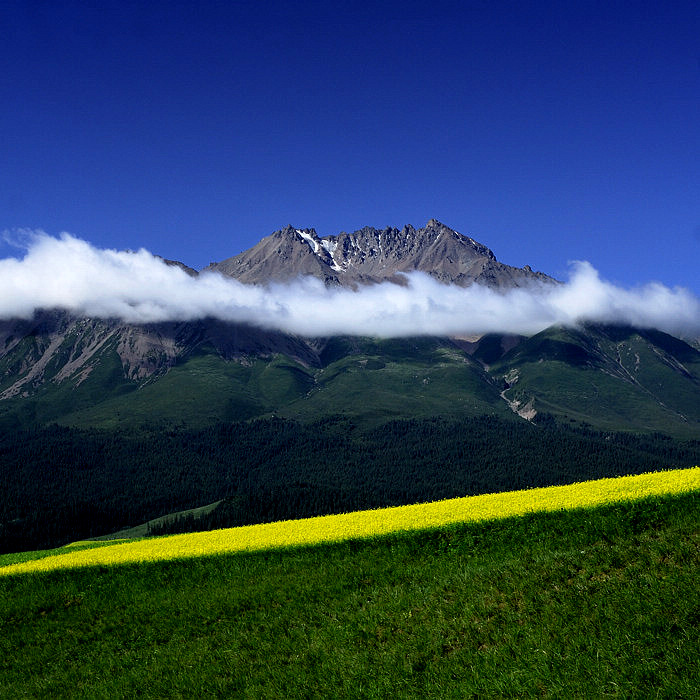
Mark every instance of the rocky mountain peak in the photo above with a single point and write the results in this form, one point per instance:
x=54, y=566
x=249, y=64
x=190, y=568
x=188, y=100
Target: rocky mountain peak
x=371, y=255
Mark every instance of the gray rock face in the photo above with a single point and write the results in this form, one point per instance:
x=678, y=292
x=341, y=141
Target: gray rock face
x=370, y=255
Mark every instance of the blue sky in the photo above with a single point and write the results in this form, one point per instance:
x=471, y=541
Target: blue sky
x=547, y=131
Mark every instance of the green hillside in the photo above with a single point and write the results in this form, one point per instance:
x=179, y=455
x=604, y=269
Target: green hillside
x=609, y=377
x=379, y=380
x=371, y=380
x=588, y=603
x=52, y=400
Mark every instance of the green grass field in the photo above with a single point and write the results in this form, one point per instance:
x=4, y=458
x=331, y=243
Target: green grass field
x=582, y=603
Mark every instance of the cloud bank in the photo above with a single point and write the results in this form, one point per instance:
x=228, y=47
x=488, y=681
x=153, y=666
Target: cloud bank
x=138, y=287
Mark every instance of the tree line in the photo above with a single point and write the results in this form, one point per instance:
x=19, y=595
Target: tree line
x=61, y=484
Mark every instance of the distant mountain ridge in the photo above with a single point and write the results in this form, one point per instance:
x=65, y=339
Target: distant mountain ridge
x=108, y=373
x=371, y=255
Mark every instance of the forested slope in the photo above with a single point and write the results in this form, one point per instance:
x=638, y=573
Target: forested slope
x=62, y=484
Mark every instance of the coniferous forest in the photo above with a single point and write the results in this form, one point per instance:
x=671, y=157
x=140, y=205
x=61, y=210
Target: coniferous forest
x=62, y=484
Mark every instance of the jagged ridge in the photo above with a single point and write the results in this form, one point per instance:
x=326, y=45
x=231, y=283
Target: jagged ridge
x=371, y=255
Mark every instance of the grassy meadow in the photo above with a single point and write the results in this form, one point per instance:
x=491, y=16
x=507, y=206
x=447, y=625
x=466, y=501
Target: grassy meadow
x=593, y=601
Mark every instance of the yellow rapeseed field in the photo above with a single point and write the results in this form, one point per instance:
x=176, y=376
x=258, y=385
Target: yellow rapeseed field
x=370, y=523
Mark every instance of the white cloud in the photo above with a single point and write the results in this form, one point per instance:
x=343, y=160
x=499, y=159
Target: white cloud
x=138, y=287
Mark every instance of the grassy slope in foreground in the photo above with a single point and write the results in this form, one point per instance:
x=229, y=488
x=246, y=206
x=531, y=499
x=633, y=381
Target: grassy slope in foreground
x=363, y=524
x=577, y=603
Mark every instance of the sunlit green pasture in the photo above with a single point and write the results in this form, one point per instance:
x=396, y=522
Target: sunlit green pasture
x=589, y=602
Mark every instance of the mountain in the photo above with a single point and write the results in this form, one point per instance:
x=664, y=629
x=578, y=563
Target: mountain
x=105, y=425
x=104, y=373
x=371, y=255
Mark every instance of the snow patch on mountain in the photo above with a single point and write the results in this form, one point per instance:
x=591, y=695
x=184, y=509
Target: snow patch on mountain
x=310, y=240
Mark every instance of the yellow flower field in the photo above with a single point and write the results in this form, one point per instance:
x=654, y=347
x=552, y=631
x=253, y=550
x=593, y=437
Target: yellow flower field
x=370, y=523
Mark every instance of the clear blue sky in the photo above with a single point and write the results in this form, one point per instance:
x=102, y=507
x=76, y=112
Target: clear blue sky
x=548, y=131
